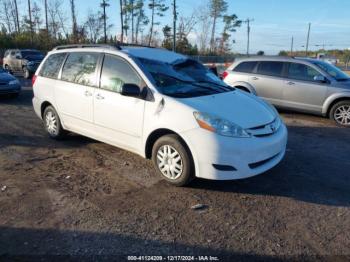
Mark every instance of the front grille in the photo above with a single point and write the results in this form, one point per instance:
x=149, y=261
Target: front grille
x=265, y=130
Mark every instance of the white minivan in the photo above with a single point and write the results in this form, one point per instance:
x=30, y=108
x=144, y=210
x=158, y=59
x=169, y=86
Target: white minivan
x=161, y=105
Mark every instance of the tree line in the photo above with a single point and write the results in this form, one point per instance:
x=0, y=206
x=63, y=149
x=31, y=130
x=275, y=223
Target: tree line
x=43, y=24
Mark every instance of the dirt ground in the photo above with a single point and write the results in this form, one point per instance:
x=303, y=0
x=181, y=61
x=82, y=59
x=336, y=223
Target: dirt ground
x=86, y=200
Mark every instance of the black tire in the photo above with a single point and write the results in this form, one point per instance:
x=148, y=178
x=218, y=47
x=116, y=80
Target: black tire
x=7, y=68
x=341, y=119
x=26, y=73
x=175, y=143
x=14, y=95
x=49, y=116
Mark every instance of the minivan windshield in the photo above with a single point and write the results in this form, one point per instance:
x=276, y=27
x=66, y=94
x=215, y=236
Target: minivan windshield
x=184, y=78
x=332, y=70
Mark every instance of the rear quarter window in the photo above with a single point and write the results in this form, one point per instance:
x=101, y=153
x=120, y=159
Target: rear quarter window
x=52, y=65
x=245, y=67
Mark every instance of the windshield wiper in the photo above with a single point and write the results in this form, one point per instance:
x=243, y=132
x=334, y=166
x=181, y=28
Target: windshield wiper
x=223, y=88
x=343, y=79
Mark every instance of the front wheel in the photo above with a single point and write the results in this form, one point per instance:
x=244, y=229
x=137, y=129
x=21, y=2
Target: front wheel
x=26, y=73
x=52, y=123
x=173, y=160
x=340, y=113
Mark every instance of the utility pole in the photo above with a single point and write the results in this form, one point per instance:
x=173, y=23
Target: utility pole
x=248, y=21
x=121, y=21
x=47, y=21
x=17, y=17
x=291, y=46
x=104, y=4
x=30, y=22
x=174, y=25
x=307, y=40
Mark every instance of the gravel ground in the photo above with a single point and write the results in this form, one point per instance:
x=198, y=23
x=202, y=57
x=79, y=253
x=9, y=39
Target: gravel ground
x=86, y=200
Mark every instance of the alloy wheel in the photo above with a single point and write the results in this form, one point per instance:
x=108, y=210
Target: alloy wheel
x=342, y=115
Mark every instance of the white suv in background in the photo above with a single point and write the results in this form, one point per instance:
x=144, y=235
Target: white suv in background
x=161, y=105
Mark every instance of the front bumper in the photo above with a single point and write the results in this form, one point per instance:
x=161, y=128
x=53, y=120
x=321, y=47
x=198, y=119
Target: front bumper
x=248, y=156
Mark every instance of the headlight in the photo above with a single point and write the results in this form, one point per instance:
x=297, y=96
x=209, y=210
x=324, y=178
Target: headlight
x=220, y=126
x=14, y=82
x=30, y=63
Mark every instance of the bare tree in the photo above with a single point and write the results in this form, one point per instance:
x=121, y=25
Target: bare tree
x=17, y=16
x=187, y=24
x=30, y=21
x=56, y=18
x=141, y=19
x=36, y=14
x=204, y=22
x=93, y=25
x=46, y=18
x=6, y=15
x=157, y=9
x=217, y=9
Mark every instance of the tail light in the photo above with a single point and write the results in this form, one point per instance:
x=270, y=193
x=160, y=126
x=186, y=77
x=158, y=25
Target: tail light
x=33, y=79
x=224, y=75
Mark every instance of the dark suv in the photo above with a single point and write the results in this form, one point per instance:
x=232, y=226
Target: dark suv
x=22, y=60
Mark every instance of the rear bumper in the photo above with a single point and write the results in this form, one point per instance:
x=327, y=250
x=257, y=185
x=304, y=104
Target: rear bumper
x=37, y=107
x=247, y=156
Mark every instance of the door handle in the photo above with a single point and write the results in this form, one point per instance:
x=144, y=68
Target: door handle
x=290, y=83
x=255, y=78
x=99, y=97
x=87, y=93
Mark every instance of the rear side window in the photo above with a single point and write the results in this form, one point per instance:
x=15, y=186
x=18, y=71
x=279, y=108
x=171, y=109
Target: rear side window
x=302, y=72
x=270, y=68
x=245, y=67
x=52, y=65
x=116, y=72
x=80, y=68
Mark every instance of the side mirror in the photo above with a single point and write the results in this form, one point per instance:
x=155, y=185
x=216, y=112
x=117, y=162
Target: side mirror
x=320, y=78
x=131, y=90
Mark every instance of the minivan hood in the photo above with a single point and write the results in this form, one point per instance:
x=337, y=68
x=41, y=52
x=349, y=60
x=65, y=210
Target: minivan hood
x=243, y=109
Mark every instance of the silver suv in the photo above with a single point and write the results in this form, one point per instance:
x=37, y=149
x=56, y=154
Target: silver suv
x=300, y=84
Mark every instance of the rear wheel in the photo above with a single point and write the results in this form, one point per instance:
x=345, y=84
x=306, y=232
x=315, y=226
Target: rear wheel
x=172, y=160
x=340, y=113
x=52, y=123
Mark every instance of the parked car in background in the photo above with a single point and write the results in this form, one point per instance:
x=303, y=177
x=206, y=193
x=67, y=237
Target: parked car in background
x=301, y=84
x=22, y=60
x=160, y=105
x=9, y=85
